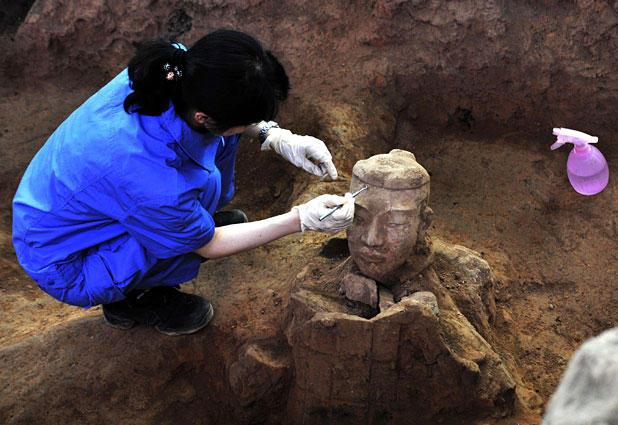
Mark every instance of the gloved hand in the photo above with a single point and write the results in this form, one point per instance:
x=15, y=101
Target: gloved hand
x=300, y=151
x=311, y=212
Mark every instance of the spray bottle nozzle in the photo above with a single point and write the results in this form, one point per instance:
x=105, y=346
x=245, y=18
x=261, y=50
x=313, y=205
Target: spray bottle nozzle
x=578, y=138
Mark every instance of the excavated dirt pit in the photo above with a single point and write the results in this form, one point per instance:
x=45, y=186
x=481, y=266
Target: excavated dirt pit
x=552, y=252
x=500, y=192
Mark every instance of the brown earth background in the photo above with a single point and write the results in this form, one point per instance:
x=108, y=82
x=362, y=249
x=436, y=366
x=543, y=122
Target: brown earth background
x=472, y=88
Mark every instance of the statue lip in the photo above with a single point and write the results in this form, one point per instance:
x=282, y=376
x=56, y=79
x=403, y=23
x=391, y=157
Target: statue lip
x=370, y=258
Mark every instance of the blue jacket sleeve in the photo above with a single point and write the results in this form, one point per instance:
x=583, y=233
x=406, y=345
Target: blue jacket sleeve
x=225, y=162
x=170, y=227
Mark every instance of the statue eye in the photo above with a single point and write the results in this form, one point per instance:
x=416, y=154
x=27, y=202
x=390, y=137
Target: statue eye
x=396, y=225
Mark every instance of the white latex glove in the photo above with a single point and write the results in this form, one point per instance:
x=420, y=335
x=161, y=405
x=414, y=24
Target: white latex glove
x=301, y=151
x=311, y=212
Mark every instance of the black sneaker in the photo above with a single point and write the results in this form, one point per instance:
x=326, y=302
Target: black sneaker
x=170, y=311
x=223, y=218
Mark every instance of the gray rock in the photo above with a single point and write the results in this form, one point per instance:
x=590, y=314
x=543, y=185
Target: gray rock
x=428, y=299
x=588, y=391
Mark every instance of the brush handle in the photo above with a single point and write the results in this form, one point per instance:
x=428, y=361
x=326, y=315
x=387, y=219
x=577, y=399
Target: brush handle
x=339, y=206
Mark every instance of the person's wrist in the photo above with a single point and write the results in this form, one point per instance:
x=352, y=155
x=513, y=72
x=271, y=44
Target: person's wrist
x=269, y=133
x=296, y=214
x=252, y=130
x=265, y=129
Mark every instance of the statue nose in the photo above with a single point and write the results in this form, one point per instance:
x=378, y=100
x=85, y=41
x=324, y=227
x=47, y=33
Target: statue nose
x=373, y=235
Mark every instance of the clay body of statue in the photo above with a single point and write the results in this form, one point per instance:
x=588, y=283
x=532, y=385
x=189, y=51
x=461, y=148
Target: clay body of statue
x=388, y=331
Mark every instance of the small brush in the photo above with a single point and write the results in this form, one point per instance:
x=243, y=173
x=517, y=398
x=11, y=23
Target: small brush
x=339, y=206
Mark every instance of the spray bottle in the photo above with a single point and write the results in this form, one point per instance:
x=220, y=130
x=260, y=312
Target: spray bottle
x=586, y=167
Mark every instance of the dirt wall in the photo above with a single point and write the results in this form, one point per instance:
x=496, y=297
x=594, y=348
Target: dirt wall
x=509, y=65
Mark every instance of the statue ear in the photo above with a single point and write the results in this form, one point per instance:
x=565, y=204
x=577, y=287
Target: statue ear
x=426, y=218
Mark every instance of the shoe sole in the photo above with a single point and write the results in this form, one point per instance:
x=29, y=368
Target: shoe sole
x=125, y=324
x=119, y=323
x=207, y=318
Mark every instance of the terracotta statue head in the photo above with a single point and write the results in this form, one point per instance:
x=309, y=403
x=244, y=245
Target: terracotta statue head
x=391, y=216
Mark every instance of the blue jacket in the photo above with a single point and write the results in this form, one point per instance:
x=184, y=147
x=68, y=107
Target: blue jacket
x=110, y=194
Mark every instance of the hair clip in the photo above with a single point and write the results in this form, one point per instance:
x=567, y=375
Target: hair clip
x=172, y=73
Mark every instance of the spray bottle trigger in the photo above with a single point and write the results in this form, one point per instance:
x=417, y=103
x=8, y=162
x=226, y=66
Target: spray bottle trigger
x=557, y=144
x=566, y=135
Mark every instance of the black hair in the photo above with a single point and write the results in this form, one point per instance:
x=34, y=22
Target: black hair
x=226, y=74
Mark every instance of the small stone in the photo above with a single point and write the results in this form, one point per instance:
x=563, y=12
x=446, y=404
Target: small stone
x=505, y=317
x=427, y=298
x=551, y=306
x=380, y=81
x=360, y=288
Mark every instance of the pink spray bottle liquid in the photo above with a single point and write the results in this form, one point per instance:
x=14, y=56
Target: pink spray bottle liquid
x=586, y=167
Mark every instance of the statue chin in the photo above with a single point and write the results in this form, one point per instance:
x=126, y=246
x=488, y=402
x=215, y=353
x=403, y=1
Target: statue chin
x=380, y=272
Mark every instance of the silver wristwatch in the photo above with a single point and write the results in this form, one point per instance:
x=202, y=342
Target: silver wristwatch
x=264, y=130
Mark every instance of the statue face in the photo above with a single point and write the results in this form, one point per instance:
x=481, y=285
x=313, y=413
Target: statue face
x=385, y=229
